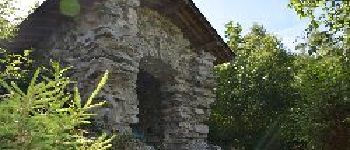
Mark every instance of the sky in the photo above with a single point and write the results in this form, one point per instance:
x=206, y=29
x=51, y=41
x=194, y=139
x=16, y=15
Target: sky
x=24, y=8
x=274, y=15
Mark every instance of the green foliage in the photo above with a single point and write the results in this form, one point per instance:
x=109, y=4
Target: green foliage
x=329, y=16
x=46, y=115
x=322, y=44
x=321, y=112
x=6, y=28
x=253, y=91
x=233, y=32
x=320, y=118
x=301, y=102
x=15, y=66
x=333, y=14
x=45, y=111
x=268, y=99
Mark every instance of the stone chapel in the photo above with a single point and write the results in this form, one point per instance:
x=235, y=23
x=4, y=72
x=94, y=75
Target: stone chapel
x=160, y=55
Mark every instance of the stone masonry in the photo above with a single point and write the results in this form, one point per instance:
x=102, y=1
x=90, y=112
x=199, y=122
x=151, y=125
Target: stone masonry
x=161, y=83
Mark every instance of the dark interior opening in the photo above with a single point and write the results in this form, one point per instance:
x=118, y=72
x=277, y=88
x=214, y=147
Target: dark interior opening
x=149, y=128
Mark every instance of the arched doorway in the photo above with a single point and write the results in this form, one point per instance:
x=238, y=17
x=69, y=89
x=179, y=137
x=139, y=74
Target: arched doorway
x=153, y=77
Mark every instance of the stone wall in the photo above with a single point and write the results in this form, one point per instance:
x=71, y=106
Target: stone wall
x=102, y=38
x=124, y=38
x=191, y=92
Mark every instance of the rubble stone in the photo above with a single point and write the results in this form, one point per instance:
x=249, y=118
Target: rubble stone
x=160, y=86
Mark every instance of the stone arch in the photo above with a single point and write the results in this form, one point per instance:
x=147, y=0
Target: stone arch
x=153, y=78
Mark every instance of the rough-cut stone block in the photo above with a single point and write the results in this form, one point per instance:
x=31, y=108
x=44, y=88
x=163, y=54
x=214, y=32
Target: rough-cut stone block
x=199, y=111
x=201, y=128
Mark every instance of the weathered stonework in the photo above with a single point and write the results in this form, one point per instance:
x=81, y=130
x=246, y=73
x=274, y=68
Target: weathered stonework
x=160, y=85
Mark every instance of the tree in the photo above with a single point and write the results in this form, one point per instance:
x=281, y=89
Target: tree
x=6, y=29
x=253, y=91
x=233, y=32
x=318, y=120
x=329, y=16
x=321, y=117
